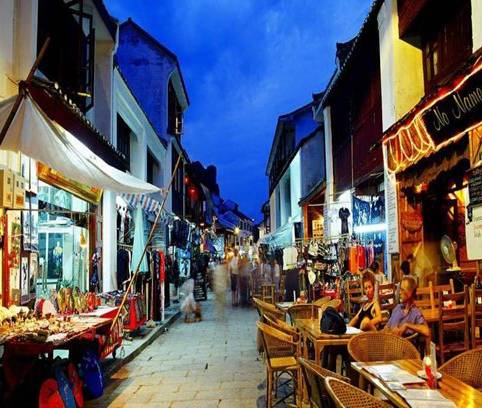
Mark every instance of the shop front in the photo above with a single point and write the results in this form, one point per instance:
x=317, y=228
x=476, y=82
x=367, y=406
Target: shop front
x=51, y=245
x=434, y=153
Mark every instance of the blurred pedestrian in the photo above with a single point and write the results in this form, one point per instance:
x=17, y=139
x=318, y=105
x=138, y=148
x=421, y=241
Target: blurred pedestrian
x=220, y=284
x=234, y=274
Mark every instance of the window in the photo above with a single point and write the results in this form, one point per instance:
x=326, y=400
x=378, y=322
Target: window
x=153, y=170
x=69, y=59
x=446, y=42
x=124, y=139
x=175, y=118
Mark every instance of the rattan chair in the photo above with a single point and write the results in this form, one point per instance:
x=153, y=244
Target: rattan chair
x=269, y=309
x=453, y=324
x=322, y=301
x=280, y=349
x=475, y=316
x=334, y=303
x=381, y=346
x=466, y=367
x=307, y=311
x=345, y=395
x=314, y=377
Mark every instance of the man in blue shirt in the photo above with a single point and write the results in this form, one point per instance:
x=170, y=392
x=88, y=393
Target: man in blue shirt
x=407, y=318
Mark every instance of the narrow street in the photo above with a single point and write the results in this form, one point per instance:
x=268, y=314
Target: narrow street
x=212, y=363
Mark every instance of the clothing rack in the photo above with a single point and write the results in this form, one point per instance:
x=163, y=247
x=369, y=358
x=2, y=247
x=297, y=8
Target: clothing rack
x=124, y=246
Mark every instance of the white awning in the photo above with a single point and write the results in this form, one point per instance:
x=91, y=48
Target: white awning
x=35, y=135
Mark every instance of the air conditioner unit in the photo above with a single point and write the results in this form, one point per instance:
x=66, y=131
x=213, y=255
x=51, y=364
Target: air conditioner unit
x=19, y=187
x=6, y=188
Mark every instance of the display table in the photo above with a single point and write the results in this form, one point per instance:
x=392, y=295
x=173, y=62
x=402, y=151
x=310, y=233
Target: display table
x=83, y=332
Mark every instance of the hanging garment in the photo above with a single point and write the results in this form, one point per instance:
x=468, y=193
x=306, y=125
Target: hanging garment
x=370, y=254
x=290, y=258
x=361, y=259
x=344, y=213
x=353, y=260
x=122, y=267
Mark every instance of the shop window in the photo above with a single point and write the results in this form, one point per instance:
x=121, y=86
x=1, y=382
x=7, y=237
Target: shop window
x=63, y=240
x=446, y=41
x=69, y=59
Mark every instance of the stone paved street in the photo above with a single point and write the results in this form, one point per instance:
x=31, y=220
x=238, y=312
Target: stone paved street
x=213, y=363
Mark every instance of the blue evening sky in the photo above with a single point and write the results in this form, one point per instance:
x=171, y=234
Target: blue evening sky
x=245, y=62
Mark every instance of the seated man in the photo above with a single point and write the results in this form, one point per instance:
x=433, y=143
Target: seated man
x=407, y=318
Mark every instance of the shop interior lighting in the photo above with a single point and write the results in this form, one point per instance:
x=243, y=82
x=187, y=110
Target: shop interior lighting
x=361, y=229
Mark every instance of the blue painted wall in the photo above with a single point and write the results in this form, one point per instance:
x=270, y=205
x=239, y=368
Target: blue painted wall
x=146, y=69
x=312, y=163
x=304, y=125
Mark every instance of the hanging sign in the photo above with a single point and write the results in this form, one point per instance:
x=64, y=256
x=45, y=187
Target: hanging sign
x=456, y=112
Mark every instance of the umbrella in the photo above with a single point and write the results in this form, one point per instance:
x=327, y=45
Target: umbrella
x=139, y=242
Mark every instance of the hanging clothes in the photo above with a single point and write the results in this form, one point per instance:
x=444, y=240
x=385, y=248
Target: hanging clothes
x=361, y=257
x=344, y=213
x=290, y=258
x=123, y=262
x=353, y=260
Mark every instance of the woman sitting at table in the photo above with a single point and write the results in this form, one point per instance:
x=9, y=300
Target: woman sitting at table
x=407, y=318
x=369, y=315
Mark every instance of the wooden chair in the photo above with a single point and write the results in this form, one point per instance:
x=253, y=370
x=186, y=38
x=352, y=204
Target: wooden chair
x=466, y=367
x=314, y=377
x=280, y=351
x=268, y=293
x=307, y=311
x=354, y=296
x=453, y=324
x=447, y=289
x=381, y=346
x=475, y=316
x=286, y=328
x=387, y=301
x=345, y=395
x=425, y=297
x=322, y=301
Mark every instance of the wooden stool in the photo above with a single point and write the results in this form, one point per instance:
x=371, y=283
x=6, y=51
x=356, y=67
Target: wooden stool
x=267, y=293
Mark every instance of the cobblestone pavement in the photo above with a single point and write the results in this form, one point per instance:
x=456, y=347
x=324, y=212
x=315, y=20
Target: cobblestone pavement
x=212, y=363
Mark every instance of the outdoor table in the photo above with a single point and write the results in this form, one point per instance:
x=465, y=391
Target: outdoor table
x=310, y=331
x=284, y=306
x=462, y=394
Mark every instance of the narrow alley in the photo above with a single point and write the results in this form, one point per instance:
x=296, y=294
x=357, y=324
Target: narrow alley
x=212, y=363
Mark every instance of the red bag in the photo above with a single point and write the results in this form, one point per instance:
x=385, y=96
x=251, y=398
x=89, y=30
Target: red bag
x=49, y=395
x=77, y=385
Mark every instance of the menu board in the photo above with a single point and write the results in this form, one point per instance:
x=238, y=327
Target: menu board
x=200, y=286
x=475, y=186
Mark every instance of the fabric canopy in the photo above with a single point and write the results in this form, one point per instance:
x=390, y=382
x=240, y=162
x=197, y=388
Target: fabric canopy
x=35, y=135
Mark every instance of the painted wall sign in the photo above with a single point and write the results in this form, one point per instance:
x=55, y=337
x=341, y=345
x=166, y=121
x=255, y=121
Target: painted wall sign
x=457, y=111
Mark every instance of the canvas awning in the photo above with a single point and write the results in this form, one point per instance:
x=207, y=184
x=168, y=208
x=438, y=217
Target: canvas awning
x=35, y=135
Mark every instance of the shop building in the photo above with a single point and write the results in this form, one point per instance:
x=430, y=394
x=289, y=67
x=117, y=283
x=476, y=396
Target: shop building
x=293, y=169
x=351, y=111
x=432, y=111
x=155, y=79
x=73, y=86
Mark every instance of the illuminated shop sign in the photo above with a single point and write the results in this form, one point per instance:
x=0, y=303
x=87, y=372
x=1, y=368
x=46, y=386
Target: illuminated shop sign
x=437, y=121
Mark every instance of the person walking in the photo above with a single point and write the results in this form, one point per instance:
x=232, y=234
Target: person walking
x=220, y=279
x=275, y=269
x=234, y=273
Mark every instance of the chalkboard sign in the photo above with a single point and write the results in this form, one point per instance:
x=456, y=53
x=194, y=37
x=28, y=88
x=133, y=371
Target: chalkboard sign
x=200, y=286
x=475, y=186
